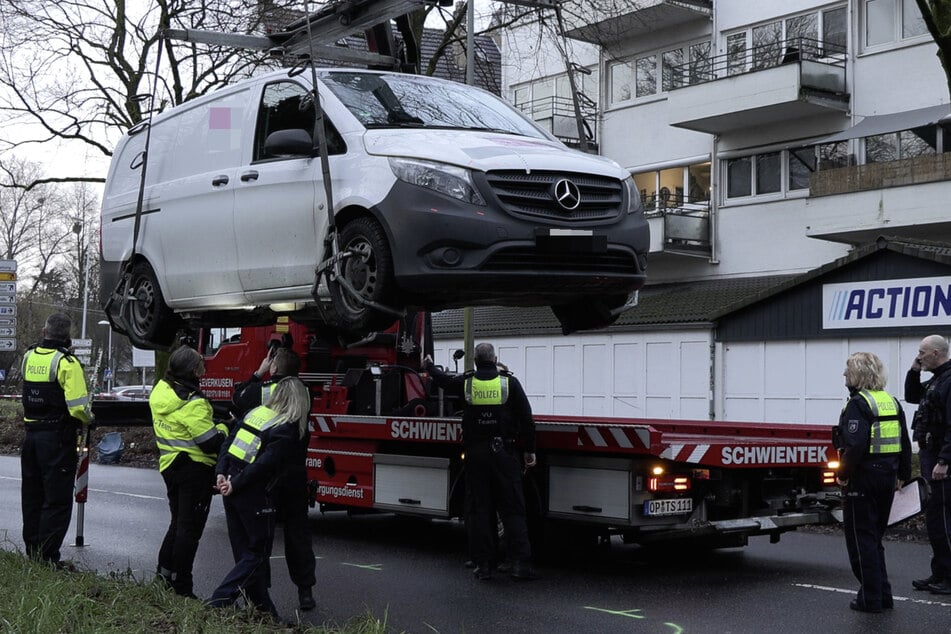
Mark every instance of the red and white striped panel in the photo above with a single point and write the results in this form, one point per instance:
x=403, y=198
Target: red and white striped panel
x=600, y=436
x=685, y=452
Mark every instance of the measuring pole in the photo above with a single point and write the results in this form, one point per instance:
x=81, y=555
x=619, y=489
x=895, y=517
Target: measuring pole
x=81, y=489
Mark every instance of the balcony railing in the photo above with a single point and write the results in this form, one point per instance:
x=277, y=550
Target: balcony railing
x=686, y=223
x=765, y=56
x=874, y=176
x=557, y=115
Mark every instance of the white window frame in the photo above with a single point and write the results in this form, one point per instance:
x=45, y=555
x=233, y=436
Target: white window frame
x=897, y=25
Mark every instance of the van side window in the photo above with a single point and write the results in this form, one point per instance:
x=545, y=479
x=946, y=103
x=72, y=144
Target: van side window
x=287, y=105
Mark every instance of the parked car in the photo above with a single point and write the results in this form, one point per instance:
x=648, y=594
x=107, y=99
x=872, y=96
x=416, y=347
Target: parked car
x=127, y=393
x=443, y=196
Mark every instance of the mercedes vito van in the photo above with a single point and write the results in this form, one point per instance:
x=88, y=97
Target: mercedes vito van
x=442, y=196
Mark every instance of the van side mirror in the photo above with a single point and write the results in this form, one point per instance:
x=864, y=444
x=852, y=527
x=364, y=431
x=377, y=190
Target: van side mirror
x=293, y=142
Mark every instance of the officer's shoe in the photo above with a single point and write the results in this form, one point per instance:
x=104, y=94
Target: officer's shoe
x=482, y=572
x=861, y=607
x=941, y=587
x=922, y=584
x=523, y=571
x=305, y=596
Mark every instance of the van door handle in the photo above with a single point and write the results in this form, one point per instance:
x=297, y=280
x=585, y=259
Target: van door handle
x=249, y=176
x=219, y=180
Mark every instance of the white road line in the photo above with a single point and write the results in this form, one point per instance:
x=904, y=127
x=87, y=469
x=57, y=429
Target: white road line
x=130, y=495
x=852, y=592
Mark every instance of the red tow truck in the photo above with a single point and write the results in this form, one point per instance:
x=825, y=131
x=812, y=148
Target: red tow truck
x=385, y=440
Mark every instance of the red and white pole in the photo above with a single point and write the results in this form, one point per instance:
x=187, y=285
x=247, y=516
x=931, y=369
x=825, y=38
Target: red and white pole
x=81, y=489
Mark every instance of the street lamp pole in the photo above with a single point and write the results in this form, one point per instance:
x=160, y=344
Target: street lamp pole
x=78, y=230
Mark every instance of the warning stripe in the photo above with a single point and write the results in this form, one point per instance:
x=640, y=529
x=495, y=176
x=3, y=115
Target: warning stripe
x=680, y=452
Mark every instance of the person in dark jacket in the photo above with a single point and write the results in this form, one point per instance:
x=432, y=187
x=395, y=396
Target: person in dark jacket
x=250, y=465
x=498, y=434
x=932, y=432
x=188, y=442
x=290, y=495
x=55, y=408
x=875, y=460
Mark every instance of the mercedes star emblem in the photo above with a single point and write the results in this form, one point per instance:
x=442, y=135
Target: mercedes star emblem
x=567, y=194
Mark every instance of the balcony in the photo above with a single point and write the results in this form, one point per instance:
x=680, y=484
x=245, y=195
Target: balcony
x=557, y=115
x=605, y=23
x=762, y=85
x=905, y=198
x=679, y=227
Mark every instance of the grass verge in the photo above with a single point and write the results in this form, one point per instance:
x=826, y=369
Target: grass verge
x=38, y=599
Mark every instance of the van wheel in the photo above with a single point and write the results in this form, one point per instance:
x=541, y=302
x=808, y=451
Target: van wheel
x=150, y=321
x=588, y=314
x=369, y=272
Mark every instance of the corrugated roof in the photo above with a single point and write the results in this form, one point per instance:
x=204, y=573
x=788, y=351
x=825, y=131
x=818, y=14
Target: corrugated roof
x=697, y=303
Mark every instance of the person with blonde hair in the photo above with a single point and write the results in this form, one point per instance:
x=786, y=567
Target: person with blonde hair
x=875, y=460
x=250, y=465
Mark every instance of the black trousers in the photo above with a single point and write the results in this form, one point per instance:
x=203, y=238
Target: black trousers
x=48, y=471
x=293, y=508
x=868, y=501
x=250, y=519
x=189, y=485
x=937, y=517
x=494, y=484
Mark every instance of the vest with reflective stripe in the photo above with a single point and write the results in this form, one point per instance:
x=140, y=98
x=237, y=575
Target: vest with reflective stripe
x=44, y=399
x=487, y=392
x=246, y=443
x=266, y=390
x=885, y=436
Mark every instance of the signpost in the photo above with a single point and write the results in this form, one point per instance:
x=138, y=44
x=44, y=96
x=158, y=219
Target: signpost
x=8, y=305
x=82, y=348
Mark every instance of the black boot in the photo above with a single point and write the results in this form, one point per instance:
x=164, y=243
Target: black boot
x=305, y=595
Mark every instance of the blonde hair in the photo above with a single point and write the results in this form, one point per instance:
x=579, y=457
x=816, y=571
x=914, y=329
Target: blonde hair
x=865, y=371
x=291, y=399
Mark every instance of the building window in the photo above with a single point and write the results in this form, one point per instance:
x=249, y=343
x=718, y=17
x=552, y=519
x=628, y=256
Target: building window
x=781, y=172
x=666, y=66
x=889, y=21
x=762, y=46
x=675, y=187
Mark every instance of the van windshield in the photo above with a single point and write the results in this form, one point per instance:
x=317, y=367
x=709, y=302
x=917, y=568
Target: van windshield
x=414, y=101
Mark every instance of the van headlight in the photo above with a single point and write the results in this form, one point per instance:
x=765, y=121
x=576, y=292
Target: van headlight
x=441, y=177
x=633, y=196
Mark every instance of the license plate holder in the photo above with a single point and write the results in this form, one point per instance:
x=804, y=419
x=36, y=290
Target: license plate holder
x=674, y=506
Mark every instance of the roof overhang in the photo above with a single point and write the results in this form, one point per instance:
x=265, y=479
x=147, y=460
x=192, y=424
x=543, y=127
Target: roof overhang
x=631, y=19
x=885, y=123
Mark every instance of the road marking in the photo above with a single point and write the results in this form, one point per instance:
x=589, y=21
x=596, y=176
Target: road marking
x=364, y=566
x=628, y=613
x=122, y=493
x=846, y=591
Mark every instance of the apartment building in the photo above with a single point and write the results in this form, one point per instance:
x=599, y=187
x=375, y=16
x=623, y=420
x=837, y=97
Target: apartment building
x=791, y=156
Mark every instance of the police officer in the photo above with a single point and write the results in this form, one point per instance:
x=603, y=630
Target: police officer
x=499, y=438
x=188, y=442
x=933, y=435
x=55, y=407
x=875, y=459
x=250, y=464
x=290, y=494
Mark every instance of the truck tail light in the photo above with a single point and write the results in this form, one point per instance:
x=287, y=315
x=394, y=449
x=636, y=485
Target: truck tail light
x=828, y=478
x=667, y=483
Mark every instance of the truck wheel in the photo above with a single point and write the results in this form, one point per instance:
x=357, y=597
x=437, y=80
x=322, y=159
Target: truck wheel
x=150, y=321
x=369, y=272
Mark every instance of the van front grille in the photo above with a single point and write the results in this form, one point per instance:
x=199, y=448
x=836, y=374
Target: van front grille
x=533, y=195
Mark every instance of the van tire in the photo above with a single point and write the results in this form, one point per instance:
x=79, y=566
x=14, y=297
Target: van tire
x=371, y=275
x=151, y=323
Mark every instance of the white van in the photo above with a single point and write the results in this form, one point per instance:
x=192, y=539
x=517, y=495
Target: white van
x=444, y=196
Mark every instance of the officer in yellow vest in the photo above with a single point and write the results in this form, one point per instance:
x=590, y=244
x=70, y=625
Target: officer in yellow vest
x=188, y=442
x=875, y=460
x=249, y=470
x=55, y=407
x=498, y=434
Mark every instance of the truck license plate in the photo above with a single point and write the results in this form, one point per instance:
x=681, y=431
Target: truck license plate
x=668, y=507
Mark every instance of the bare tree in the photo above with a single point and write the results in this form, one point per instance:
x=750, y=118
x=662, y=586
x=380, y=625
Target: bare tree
x=76, y=70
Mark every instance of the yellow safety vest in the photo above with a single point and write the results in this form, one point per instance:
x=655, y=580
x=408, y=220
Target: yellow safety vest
x=487, y=392
x=246, y=443
x=886, y=431
x=180, y=425
x=54, y=387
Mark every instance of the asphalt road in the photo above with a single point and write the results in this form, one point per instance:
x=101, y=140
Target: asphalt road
x=410, y=573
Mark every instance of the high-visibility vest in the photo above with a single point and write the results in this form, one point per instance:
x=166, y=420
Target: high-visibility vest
x=885, y=436
x=51, y=391
x=266, y=390
x=493, y=391
x=181, y=425
x=246, y=443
